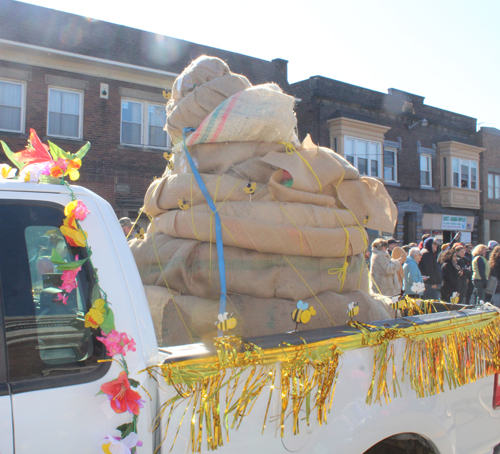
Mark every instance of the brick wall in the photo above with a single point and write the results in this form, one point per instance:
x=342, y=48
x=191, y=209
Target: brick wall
x=107, y=164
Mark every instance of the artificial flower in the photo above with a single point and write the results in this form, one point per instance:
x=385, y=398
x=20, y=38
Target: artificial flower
x=57, y=168
x=74, y=236
x=31, y=172
x=6, y=171
x=72, y=169
x=117, y=343
x=77, y=210
x=61, y=297
x=95, y=316
x=116, y=445
x=121, y=397
x=35, y=152
x=69, y=282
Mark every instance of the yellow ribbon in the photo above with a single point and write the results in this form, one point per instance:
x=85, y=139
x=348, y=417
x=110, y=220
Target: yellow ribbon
x=342, y=272
x=290, y=149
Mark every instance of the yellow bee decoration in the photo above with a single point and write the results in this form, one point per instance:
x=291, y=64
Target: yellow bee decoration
x=250, y=188
x=140, y=234
x=183, y=205
x=168, y=155
x=167, y=94
x=170, y=165
x=226, y=322
x=303, y=313
x=352, y=310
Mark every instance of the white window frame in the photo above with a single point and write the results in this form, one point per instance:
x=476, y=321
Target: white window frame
x=23, y=104
x=144, y=124
x=429, y=160
x=379, y=156
x=80, y=113
x=494, y=186
x=466, y=162
x=395, y=152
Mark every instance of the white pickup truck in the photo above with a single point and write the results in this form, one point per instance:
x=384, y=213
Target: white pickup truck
x=50, y=369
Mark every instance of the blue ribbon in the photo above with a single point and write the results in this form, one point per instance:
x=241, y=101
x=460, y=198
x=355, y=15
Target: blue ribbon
x=218, y=228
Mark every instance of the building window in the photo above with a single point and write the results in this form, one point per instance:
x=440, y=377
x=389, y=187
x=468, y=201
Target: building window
x=65, y=113
x=464, y=173
x=425, y=170
x=493, y=186
x=11, y=106
x=390, y=165
x=142, y=124
x=364, y=155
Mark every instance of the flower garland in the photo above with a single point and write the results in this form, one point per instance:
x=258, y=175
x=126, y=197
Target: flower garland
x=49, y=163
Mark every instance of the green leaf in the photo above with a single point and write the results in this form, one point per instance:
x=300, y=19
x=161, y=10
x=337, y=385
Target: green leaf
x=80, y=154
x=134, y=383
x=61, y=264
x=56, y=258
x=10, y=155
x=109, y=321
x=57, y=152
x=96, y=293
x=126, y=429
x=71, y=265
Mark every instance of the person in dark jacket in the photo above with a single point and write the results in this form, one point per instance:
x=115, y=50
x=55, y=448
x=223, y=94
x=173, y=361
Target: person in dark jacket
x=468, y=257
x=495, y=271
x=429, y=267
x=465, y=279
x=452, y=274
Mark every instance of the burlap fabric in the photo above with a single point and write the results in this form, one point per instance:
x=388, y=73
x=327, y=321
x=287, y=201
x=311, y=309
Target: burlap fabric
x=292, y=215
x=368, y=199
x=200, y=71
x=257, y=316
x=277, y=234
x=327, y=167
x=190, y=111
x=191, y=268
x=218, y=158
x=164, y=193
x=261, y=113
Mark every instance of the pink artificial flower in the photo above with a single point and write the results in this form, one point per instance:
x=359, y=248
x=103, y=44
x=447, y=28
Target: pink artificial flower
x=76, y=209
x=46, y=169
x=117, y=343
x=62, y=297
x=69, y=280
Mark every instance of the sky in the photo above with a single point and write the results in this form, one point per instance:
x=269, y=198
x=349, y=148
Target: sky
x=444, y=50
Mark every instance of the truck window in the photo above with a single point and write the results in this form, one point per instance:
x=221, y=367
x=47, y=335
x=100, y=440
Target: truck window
x=44, y=325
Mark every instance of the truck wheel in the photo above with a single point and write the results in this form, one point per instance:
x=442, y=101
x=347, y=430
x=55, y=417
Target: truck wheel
x=402, y=444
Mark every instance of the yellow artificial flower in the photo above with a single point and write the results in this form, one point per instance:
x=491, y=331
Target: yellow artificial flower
x=75, y=237
x=95, y=316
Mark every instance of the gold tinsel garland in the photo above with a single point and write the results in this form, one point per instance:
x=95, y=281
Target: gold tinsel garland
x=454, y=352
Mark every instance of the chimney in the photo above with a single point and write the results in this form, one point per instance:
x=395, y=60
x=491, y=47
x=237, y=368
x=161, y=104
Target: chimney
x=282, y=65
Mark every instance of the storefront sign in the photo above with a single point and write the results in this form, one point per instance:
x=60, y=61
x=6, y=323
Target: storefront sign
x=465, y=237
x=450, y=222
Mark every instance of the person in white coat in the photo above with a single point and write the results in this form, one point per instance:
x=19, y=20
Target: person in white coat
x=383, y=269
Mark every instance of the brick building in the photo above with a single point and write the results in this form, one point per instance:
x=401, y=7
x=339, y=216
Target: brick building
x=75, y=79
x=427, y=157
x=489, y=220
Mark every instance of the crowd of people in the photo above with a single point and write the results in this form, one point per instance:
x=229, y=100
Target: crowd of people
x=453, y=272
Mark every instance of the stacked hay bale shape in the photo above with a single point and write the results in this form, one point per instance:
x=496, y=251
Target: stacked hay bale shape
x=293, y=216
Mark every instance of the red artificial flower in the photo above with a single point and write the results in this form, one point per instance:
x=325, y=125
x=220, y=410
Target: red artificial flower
x=121, y=396
x=36, y=152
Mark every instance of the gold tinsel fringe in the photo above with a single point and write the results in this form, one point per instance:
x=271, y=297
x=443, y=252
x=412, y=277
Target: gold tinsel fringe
x=454, y=352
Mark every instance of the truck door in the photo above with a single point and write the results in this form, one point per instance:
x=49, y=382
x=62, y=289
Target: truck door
x=6, y=434
x=52, y=358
